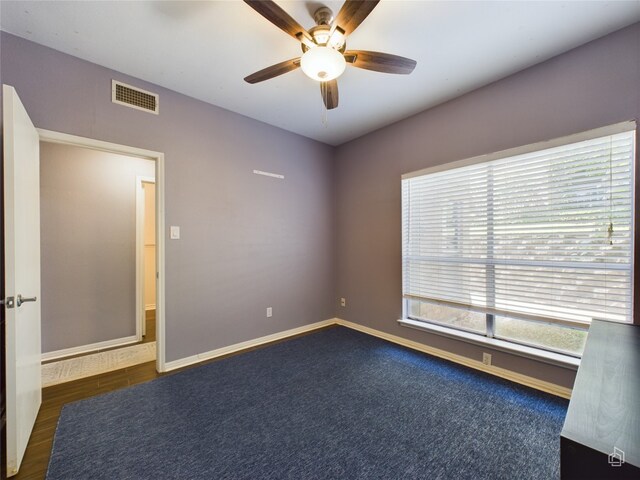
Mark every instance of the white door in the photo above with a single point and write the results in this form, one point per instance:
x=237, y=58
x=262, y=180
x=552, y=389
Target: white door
x=22, y=274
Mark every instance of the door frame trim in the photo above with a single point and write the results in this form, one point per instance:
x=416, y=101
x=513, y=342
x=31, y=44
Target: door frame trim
x=141, y=305
x=158, y=158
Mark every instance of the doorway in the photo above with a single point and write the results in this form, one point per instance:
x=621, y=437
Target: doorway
x=146, y=257
x=148, y=293
x=91, y=299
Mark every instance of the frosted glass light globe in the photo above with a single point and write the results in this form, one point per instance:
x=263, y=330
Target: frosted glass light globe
x=322, y=63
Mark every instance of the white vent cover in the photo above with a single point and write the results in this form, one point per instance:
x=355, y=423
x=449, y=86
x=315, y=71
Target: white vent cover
x=134, y=97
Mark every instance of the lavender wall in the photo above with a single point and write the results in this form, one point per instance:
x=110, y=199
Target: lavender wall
x=594, y=85
x=248, y=241
x=332, y=227
x=88, y=244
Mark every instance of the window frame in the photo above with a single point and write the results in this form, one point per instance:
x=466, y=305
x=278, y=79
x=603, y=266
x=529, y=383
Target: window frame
x=490, y=330
x=558, y=357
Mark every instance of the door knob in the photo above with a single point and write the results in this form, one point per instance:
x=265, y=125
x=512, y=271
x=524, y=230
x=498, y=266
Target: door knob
x=20, y=299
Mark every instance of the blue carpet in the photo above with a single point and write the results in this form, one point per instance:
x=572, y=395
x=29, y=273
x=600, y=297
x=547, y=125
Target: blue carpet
x=336, y=404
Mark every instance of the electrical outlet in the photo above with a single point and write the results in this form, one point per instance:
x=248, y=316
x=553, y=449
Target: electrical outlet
x=269, y=312
x=343, y=302
x=486, y=358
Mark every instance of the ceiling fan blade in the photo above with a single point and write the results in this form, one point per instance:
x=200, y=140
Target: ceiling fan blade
x=380, y=62
x=273, y=71
x=329, y=91
x=352, y=13
x=276, y=15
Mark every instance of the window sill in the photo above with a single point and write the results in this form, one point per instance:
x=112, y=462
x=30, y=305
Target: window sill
x=552, y=358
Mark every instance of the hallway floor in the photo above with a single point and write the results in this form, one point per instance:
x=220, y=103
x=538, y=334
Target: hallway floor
x=108, y=360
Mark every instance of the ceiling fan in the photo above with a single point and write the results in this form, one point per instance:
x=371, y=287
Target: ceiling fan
x=324, y=54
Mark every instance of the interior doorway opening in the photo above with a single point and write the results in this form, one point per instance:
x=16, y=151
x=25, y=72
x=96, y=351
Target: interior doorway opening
x=146, y=257
x=140, y=337
x=93, y=252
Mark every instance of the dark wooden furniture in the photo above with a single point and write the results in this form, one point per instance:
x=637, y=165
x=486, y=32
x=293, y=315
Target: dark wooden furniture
x=604, y=412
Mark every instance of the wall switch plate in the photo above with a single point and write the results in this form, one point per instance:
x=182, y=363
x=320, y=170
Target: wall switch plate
x=486, y=358
x=343, y=302
x=174, y=232
x=269, y=312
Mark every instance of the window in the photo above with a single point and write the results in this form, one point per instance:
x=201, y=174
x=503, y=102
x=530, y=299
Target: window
x=527, y=248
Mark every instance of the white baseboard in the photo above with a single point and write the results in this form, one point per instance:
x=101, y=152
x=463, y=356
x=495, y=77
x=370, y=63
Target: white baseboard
x=151, y=306
x=201, y=357
x=476, y=364
x=67, y=352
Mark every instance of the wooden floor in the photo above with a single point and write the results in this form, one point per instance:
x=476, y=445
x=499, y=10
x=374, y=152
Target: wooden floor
x=150, y=326
x=36, y=458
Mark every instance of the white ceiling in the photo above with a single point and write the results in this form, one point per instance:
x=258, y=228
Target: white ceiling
x=205, y=49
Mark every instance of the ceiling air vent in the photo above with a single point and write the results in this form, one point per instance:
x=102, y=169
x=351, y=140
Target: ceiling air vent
x=134, y=97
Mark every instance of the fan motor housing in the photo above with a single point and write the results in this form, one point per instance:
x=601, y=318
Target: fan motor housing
x=320, y=35
x=323, y=16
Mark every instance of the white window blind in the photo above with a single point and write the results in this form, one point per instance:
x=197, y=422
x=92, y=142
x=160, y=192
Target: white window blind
x=546, y=235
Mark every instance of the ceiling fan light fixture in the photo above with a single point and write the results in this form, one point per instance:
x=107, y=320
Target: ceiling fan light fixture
x=336, y=40
x=322, y=63
x=320, y=34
